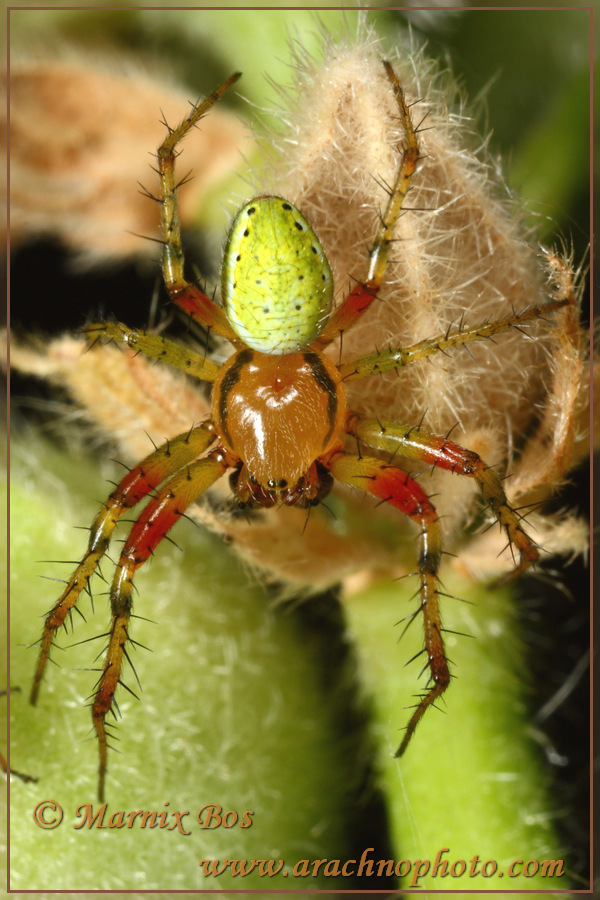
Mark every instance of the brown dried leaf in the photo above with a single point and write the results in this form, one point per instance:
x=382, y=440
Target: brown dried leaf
x=81, y=134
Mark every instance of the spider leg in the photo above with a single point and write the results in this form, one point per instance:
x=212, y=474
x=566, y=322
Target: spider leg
x=359, y=299
x=136, y=485
x=157, y=518
x=4, y=768
x=3, y=762
x=413, y=443
x=155, y=346
x=185, y=295
x=388, y=360
x=394, y=486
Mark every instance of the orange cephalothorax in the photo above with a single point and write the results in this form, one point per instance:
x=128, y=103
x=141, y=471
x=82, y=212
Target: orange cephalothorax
x=278, y=414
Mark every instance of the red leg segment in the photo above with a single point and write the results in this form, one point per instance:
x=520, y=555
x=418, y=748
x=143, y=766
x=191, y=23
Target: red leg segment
x=394, y=486
x=136, y=485
x=411, y=442
x=156, y=520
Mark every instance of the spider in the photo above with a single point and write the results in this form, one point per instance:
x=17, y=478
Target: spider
x=279, y=420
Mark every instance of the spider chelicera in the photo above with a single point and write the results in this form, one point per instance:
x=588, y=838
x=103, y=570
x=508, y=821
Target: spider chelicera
x=279, y=419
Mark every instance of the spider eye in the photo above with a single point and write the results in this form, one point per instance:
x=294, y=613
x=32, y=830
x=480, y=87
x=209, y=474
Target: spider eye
x=277, y=286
